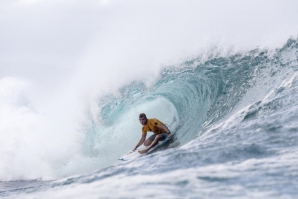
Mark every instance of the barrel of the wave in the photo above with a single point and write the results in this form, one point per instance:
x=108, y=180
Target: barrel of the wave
x=162, y=135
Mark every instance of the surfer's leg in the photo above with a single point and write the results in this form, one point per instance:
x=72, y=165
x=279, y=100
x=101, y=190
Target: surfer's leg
x=149, y=140
x=157, y=138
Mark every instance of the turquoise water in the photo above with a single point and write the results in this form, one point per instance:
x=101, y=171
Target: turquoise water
x=235, y=119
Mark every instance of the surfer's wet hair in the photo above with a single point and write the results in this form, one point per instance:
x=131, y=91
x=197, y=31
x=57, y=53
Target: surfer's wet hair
x=142, y=115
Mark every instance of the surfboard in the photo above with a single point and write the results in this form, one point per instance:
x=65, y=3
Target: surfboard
x=135, y=154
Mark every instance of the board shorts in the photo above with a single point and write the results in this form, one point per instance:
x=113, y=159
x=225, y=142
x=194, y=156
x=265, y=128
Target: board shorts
x=152, y=137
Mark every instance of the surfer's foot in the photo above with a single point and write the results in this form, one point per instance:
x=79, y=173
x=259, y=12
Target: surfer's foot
x=143, y=151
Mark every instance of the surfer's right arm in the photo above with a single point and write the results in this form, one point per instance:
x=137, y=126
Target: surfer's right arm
x=142, y=140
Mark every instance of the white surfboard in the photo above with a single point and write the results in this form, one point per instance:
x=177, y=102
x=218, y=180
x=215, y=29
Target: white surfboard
x=135, y=154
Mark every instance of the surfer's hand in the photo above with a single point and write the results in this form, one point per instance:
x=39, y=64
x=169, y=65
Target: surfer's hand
x=169, y=135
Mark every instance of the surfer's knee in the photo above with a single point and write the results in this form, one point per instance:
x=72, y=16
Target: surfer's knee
x=158, y=136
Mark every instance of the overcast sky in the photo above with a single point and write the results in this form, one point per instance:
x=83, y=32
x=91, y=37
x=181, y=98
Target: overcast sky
x=64, y=45
x=51, y=38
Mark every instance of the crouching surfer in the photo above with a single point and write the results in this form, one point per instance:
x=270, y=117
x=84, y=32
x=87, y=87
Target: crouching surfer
x=161, y=132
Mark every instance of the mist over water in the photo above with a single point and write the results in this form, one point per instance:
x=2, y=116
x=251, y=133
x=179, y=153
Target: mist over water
x=75, y=75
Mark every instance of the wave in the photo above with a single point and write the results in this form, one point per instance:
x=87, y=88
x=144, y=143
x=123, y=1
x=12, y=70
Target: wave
x=191, y=97
x=198, y=98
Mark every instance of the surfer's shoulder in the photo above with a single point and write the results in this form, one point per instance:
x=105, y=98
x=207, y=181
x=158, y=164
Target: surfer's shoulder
x=156, y=121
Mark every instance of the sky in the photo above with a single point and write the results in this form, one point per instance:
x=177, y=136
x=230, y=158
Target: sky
x=47, y=40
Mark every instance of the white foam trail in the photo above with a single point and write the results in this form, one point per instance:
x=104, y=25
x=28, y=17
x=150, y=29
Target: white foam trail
x=30, y=146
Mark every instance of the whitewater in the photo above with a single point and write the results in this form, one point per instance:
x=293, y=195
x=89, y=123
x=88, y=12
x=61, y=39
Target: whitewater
x=69, y=110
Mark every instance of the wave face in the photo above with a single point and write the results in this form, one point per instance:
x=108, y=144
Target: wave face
x=235, y=119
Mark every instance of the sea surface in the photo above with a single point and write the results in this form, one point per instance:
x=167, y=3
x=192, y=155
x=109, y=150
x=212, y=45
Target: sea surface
x=236, y=134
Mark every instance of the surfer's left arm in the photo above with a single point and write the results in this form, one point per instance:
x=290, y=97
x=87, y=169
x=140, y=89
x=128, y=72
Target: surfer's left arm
x=165, y=129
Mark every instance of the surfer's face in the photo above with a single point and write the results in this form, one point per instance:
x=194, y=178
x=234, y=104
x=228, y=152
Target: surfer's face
x=143, y=121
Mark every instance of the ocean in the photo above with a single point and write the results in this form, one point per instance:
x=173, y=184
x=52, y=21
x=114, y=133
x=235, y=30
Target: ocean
x=234, y=113
x=235, y=123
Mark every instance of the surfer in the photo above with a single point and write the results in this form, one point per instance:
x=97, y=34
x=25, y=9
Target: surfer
x=160, y=130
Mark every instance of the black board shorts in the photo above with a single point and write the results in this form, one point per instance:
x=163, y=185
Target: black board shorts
x=152, y=137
